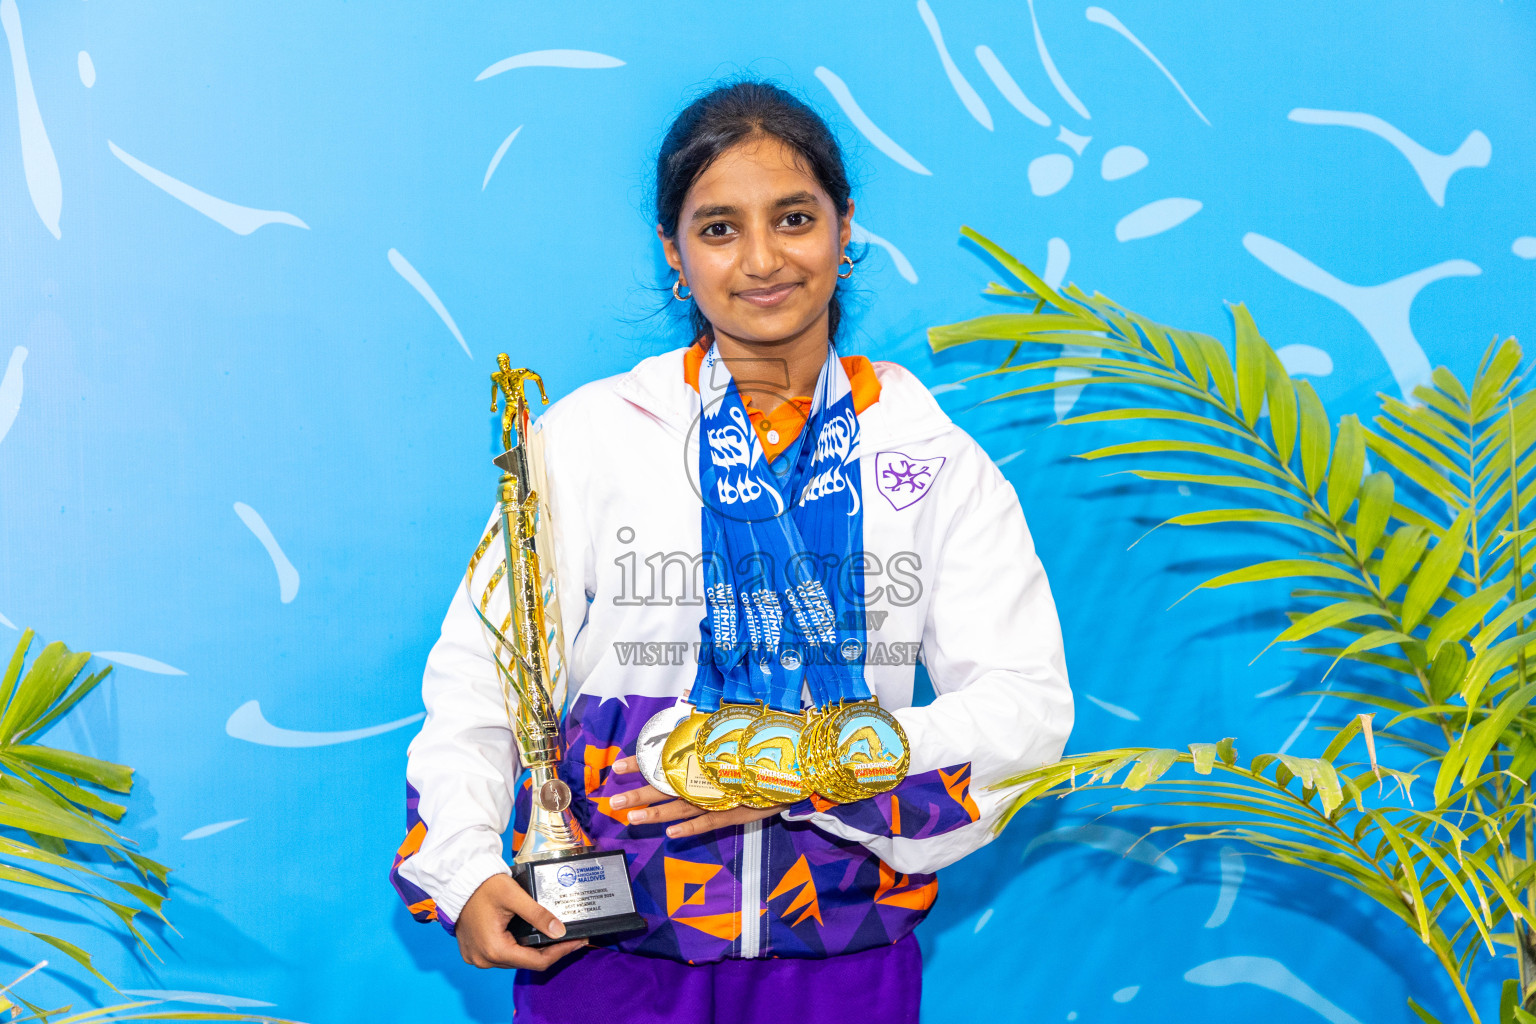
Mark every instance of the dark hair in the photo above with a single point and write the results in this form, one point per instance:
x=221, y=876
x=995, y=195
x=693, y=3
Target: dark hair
x=730, y=114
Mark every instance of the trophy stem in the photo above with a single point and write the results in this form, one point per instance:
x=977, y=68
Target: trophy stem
x=553, y=832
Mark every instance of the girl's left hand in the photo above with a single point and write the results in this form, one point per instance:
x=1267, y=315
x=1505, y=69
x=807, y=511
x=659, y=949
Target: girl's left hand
x=652, y=805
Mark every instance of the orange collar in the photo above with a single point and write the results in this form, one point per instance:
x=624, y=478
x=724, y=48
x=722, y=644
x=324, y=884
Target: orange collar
x=778, y=428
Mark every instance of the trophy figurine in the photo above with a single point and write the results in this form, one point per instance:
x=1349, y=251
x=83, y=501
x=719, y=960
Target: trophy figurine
x=586, y=888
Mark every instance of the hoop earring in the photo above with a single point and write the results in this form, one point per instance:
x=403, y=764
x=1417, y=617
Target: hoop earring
x=846, y=259
x=678, y=284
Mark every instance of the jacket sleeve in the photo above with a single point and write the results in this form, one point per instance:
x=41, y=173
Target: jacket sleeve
x=461, y=772
x=992, y=646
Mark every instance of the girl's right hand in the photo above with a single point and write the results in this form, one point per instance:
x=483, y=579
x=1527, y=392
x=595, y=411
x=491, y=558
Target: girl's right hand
x=484, y=940
x=651, y=805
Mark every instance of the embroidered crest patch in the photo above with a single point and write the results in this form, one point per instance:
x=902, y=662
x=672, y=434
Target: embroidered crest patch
x=904, y=480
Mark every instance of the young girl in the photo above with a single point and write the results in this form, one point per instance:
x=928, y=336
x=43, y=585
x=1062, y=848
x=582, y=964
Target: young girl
x=917, y=547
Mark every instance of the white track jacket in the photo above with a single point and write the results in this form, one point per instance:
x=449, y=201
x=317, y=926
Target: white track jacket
x=951, y=578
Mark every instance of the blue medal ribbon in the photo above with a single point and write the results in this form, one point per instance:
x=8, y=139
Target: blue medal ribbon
x=784, y=608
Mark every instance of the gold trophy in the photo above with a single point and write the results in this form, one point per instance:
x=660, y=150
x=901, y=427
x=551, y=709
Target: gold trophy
x=586, y=888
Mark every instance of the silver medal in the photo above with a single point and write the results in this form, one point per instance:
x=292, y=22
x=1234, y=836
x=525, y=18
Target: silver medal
x=653, y=737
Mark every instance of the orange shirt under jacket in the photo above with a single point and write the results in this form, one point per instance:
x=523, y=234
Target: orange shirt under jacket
x=777, y=429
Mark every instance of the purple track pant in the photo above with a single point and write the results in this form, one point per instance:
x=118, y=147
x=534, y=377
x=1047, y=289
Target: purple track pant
x=602, y=986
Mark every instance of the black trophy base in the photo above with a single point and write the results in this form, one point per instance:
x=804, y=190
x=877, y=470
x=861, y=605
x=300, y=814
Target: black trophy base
x=588, y=891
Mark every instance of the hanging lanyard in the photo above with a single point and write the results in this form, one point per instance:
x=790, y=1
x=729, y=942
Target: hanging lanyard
x=784, y=610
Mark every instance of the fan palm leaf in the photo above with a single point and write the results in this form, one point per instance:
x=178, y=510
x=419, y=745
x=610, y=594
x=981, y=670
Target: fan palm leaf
x=1418, y=572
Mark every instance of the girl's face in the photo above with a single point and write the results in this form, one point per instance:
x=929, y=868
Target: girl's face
x=758, y=243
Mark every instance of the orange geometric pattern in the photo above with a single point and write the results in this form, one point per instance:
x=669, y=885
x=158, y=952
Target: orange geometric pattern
x=897, y=890
x=722, y=926
x=799, y=875
x=597, y=760
x=681, y=874
x=413, y=840
x=958, y=786
x=685, y=887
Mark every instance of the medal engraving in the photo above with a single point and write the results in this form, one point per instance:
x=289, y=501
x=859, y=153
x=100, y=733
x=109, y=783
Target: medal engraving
x=680, y=764
x=720, y=751
x=866, y=750
x=770, y=757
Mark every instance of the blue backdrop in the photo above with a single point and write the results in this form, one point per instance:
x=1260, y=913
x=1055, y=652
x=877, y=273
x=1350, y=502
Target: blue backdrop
x=258, y=260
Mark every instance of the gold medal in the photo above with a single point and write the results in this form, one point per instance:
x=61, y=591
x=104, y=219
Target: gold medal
x=770, y=757
x=866, y=749
x=719, y=745
x=812, y=718
x=814, y=758
x=681, y=765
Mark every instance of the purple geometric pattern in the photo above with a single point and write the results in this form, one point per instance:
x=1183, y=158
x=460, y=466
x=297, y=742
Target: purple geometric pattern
x=820, y=895
x=921, y=806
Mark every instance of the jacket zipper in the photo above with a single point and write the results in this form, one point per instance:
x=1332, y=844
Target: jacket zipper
x=751, y=889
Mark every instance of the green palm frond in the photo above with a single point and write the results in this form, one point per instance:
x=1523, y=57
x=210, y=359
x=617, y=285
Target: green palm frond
x=1419, y=572
x=53, y=803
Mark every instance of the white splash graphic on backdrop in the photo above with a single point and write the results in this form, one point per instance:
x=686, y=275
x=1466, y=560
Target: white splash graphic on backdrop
x=1050, y=173
x=1266, y=973
x=7, y=623
x=1121, y=162
x=1433, y=169
x=1068, y=137
x=584, y=59
x=242, y=220
x=1156, y=217
x=38, y=163
x=1113, y=840
x=287, y=575
x=211, y=830
x=1050, y=69
x=1232, y=871
x=501, y=151
x=1524, y=247
x=1305, y=359
x=10, y=390
x=1126, y=994
x=139, y=662
x=1301, y=726
x=1099, y=16
x=1114, y=709
x=87, y=69
x=1009, y=457
x=1057, y=258
x=1382, y=309
x=877, y=138
x=172, y=995
x=957, y=81
x=415, y=280
x=1008, y=87
x=249, y=724
x=863, y=235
